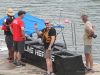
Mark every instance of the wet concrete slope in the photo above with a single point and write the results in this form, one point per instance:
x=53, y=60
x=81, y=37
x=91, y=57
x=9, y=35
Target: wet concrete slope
x=7, y=68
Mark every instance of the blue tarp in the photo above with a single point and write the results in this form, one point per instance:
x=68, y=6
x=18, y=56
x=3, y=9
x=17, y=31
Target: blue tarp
x=29, y=21
x=58, y=26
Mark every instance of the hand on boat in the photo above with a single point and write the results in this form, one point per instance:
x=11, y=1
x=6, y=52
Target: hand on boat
x=36, y=26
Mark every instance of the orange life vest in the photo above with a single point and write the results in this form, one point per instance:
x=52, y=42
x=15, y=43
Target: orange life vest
x=46, y=36
x=8, y=21
x=4, y=28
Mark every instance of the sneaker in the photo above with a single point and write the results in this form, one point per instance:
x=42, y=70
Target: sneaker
x=47, y=73
x=51, y=73
x=11, y=60
x=87, y=68
x=90, y=71
x=15, y=63
x=19, y=65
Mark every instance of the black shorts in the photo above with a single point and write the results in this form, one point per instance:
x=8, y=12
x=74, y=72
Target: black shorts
x=9, y=41
x=19, y=46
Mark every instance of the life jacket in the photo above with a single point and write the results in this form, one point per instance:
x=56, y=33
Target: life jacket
x=4, y=28
x=46, y=36
x=8, y=21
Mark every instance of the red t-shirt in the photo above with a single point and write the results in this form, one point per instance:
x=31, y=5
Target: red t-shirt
x=17, y=33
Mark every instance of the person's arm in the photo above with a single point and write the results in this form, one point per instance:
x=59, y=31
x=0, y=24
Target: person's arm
x=4, y=23
x=11, y=29
x=52, y=42
x=90, y=33
x=93, y=27
x=38, y=32
x=22, y=26
x=23, y=32
x=90, y=29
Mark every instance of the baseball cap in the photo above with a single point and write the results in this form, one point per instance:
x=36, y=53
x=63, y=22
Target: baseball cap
x=21, y=12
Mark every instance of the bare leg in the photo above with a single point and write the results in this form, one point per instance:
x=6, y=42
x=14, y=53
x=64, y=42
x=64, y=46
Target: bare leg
x=51, y=68
x=19, y=56
x=87, y=60
x=48, y=65
x=91, y=60
x=15, y=55
x=11, y=52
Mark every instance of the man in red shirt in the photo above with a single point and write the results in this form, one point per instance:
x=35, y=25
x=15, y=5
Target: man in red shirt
x=17, y=28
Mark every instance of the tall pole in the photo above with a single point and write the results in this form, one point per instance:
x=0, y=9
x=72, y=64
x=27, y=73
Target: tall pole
x=60, y=16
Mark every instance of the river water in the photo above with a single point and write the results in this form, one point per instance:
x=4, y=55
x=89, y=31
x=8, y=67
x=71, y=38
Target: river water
x=71, y=9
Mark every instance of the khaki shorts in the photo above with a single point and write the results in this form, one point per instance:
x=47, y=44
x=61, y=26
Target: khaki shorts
x=47, y=53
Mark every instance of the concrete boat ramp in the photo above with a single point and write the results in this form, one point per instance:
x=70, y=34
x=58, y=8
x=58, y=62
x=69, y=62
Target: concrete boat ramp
x=96, y=69
x=7, y=68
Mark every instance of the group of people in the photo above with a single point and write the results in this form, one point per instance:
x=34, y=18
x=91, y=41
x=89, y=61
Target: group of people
x=14, y=29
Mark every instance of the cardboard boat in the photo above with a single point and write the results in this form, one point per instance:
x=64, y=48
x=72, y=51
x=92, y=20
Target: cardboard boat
x=65, y=62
